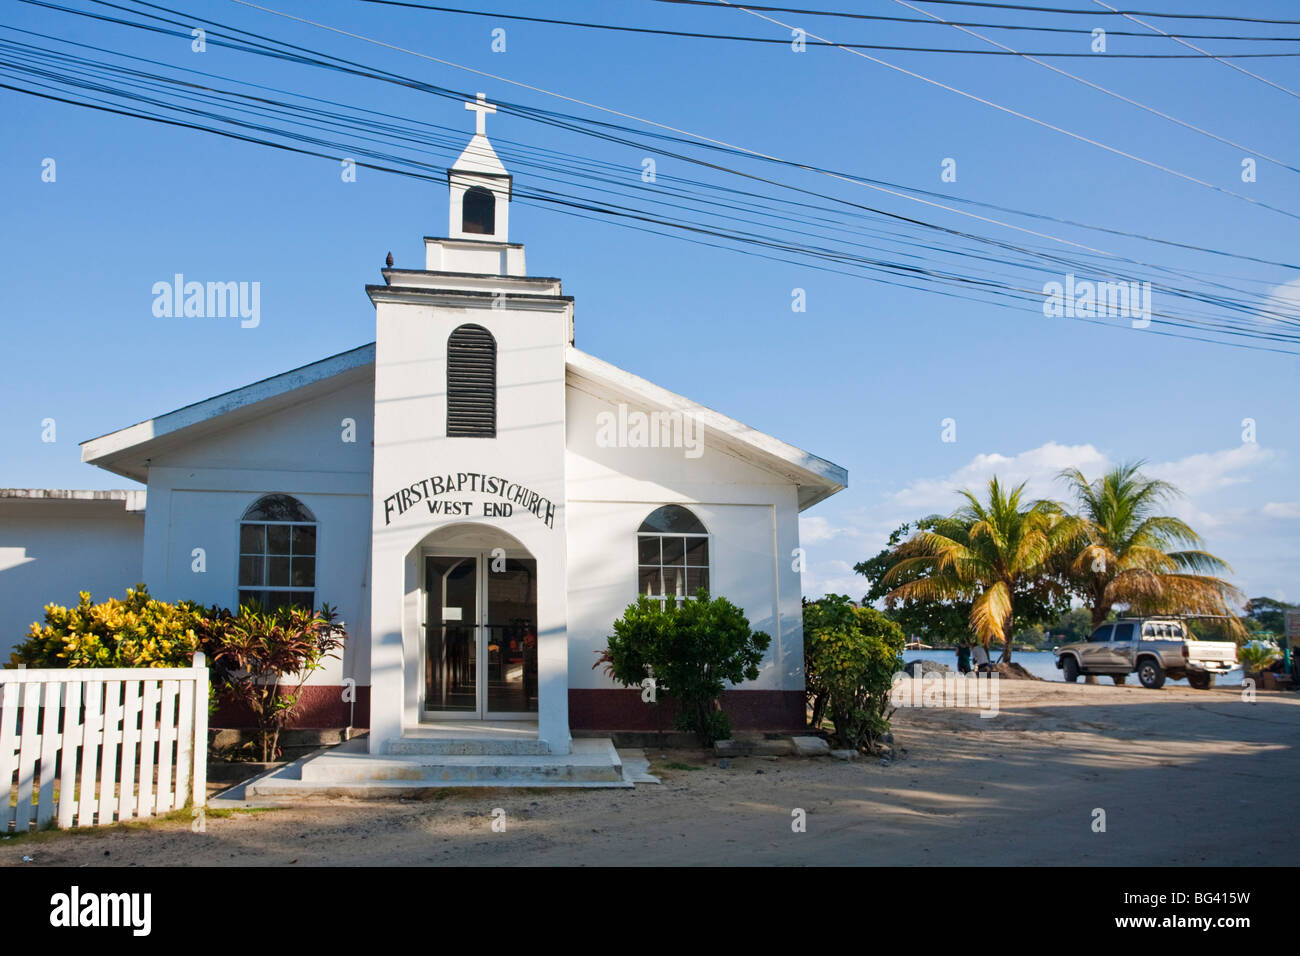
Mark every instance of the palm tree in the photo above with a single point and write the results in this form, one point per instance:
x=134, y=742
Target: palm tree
x=1123, y=551
x=985, y=552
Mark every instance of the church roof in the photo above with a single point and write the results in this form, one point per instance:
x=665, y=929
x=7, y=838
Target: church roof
x=815, y=477
x=128, y=451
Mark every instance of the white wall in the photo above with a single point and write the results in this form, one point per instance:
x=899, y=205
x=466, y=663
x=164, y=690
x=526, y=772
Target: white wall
x=750, y=514
x=50, y=550
x=411, y=446
x=199, y=493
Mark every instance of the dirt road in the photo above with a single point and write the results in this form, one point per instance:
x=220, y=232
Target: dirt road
x=1183, y=777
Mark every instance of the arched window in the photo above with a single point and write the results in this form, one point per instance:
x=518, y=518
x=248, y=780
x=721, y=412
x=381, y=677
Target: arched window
x=478, y=211
x=672, y=554
x=277, y=553
x=471, y=383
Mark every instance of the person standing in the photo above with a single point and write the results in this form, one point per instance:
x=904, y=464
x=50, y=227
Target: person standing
x=981, y=657
x=963, y=658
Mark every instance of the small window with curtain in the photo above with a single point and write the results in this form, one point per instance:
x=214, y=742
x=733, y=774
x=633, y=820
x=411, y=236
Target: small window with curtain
x=277, y=553
x=672, y=554
x=471, y=383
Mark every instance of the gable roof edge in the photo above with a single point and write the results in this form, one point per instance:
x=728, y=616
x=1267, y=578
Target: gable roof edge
x=822, y=478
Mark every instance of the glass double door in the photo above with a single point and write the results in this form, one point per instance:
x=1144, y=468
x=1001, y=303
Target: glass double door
x=480, y=644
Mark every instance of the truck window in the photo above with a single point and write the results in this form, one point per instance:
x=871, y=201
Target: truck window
x=1124, y=632
x=1102, y=633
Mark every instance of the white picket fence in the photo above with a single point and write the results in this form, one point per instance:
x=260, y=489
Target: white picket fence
x=142, y=734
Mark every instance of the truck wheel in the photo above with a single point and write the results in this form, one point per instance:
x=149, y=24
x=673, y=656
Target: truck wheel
x=1201, y=680
x=1070, y=668
x=1119, y=679
x=1151, y=674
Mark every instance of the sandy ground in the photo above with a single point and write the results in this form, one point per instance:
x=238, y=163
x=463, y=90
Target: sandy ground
x=1184, y=777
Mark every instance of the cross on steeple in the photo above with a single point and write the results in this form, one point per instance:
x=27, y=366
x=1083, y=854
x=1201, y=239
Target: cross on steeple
x=482, y=107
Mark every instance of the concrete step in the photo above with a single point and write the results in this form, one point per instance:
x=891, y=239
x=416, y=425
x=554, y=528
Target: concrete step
x=593, y=763
x=466, y=746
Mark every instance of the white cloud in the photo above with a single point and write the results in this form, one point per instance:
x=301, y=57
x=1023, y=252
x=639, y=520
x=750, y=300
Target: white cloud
x=1284, y=299
x=834, y=577
x=1213, y=471
x=815, y=530
x=1037, y=467
x=1218, y=500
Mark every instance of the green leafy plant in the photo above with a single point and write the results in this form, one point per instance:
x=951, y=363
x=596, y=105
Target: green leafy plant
x=851, y=655
x=262, y=659
x=135, y=631
x=691, y=650
x=1256, y=656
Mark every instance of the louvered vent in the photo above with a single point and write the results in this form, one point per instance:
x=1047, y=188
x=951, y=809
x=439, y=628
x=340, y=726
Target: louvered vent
x=471, y=383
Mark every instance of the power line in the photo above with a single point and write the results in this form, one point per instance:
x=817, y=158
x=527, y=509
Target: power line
x=1009, y=6
x=1025, y=116
x=1032, y=58
x=1192, y=46
x=631, y=215
x=652, y=31
x=817, y=250
x=569, y=122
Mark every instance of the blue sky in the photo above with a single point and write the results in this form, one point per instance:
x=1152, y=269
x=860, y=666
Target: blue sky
x=864, y=377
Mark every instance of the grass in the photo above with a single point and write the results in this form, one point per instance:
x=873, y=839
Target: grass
x=658, y=768
x=183, y=814
x=440, y=794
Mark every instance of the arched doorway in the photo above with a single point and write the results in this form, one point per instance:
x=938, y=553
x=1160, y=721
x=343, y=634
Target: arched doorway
x=479, y=624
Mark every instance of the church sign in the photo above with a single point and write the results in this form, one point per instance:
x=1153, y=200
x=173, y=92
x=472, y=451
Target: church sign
x=433, y=491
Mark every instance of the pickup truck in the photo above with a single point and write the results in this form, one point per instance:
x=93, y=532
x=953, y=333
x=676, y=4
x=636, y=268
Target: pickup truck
x=1153, y=648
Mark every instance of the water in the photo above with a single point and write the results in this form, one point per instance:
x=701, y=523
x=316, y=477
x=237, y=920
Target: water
x=1043, y=664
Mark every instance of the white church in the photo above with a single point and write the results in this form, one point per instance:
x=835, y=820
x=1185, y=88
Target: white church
x=478, y=498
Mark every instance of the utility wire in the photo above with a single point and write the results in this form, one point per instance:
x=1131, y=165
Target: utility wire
x=1192, y=46
x=746, y=236
x=1032, y=58
x=1025, y=116
x=1074, y=11
x=651, y=31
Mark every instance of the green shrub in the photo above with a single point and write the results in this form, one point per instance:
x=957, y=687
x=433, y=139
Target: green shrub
x=850, y=658
x=136, y=631
x=691, y=650
x=1257, y=655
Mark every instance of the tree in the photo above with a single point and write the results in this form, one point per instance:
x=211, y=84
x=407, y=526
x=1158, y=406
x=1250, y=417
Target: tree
x=1123, y=551
x=1269, y=614
x=937, y=622
x=1037, y=600
x=1074, y=625
x=691, y=650
x=987, y=552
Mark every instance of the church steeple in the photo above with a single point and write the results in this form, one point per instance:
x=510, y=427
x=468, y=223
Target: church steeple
x=479, y=185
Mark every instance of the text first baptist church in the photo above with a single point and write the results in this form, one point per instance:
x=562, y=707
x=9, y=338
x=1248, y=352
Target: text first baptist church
x=505, y=498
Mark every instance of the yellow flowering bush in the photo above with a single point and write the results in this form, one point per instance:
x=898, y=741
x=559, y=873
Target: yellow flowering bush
x=136, y=631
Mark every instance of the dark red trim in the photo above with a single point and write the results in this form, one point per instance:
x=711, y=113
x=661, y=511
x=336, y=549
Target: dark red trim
x=607, y=710
x=754, y=710
x=322, y=707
